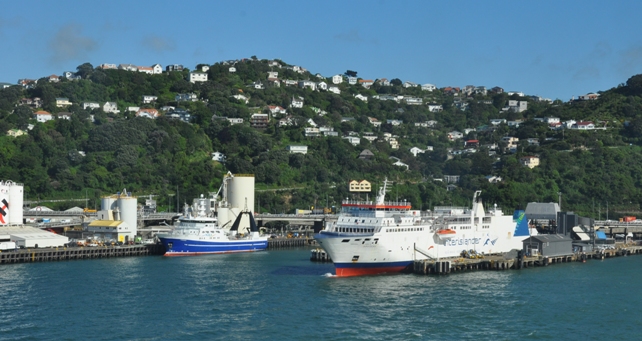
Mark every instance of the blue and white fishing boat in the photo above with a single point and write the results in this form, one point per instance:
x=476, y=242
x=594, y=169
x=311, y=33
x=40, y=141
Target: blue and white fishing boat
x=198, y=233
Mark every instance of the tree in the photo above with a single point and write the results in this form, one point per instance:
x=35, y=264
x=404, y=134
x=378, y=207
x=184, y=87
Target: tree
x=84, y=70
x=351, y=73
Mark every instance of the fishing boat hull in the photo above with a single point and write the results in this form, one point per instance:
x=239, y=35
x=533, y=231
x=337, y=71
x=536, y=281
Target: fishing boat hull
x=187, y=247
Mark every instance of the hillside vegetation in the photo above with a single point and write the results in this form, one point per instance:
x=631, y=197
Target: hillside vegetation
x=97, y=153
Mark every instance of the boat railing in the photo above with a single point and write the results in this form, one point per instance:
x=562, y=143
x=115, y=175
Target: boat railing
x=371, y=203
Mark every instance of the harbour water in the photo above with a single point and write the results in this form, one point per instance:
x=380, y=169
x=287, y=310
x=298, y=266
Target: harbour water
x=281, y=295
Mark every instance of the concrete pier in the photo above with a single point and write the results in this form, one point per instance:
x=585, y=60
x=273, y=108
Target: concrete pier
x=500, y=263
x=69, y=253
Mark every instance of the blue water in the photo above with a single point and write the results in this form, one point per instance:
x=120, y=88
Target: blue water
x=281, y=295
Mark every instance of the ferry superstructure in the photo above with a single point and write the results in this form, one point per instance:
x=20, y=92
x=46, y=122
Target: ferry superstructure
x=198, y=233
x=386, y=237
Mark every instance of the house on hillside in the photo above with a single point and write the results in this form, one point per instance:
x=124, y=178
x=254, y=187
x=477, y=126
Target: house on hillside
x=334, y=89
x=583, y=125
x=147, y=113
x=297, y=149
x=149, y=99
x=197, y=76
x=297, y=102
x=218, y=156
x=111, y=107
x=366, y=154
x=529, y=161
x=415, y=150
x=428, y=87
x=362, y=186
x=90, y=105
x=337, y=79
x=42, y=116
x=62, y=102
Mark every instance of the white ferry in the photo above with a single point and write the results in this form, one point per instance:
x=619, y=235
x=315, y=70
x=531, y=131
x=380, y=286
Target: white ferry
x=386, y=237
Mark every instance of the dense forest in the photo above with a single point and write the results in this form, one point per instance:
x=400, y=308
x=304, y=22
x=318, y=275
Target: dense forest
x=95, y=153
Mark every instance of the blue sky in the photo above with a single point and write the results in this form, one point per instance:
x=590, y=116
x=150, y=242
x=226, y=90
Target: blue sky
x=554, y=49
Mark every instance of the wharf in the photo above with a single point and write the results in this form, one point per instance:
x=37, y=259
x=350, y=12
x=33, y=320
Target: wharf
x=283, y=243
x=500, y=262
x=69, y=253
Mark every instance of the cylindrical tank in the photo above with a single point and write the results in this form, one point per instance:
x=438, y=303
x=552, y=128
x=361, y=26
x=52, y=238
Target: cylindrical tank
x=107, y=203
x=224, y=218
x=240, y=192
x=128, y=212
x=16, y=198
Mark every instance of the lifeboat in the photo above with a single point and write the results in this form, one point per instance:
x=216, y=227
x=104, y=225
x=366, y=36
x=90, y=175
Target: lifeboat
x=446, y=234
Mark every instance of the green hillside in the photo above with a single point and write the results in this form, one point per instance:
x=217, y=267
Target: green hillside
x=96, y=153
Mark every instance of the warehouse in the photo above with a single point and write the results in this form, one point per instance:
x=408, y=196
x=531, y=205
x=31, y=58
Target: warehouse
x=548, y=245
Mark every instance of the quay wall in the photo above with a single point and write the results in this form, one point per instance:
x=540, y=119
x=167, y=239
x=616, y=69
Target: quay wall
x=498, y=262
x=70, y=253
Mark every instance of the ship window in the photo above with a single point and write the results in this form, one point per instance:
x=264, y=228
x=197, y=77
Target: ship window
x=356, y=240
x=345, y=240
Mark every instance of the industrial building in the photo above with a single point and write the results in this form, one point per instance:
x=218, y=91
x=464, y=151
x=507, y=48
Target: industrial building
x=117, y=218
x=548, y=245
x=11, y=221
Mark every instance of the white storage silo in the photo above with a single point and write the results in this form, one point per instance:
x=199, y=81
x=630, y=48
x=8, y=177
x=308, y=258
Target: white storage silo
x=240, y=192
x=128, y=207
x=108, y=203
x=240, y=196
x=16, y=199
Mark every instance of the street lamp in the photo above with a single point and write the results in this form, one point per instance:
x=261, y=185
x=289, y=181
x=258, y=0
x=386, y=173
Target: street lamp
x=169, y=200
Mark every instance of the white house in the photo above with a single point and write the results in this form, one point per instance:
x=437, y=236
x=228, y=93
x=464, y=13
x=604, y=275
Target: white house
x=311, y=132
x=352, y=80
x=111, y=107
x=435, y=108
x=43, y=116
x=583, y=125
x=275, y=109
x=337, y=79
x=353, y=140
x=62, y=102
x=234, y=121
x=497, y=121
x=297, y=102
x=361, y=97
x=395, y=122
x=413, y=100
x=297, y=149
x=334, y=89
x=196, y=76
x=308, y=84
x=428, y=87
x=149, y=99
x=322, y=86
x=232, y=69
x=147, y=113
x=409, y=84
x=241, y=98
x=272, y=75
x=455, y=135
x=146, y=69
x=218, y=156
x=90, y=105
x=398, y=162
x=414, y=151
x=158, y=69
x=375, y=122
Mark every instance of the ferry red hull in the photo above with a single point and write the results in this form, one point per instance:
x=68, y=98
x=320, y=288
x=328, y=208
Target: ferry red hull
x=370, y=270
